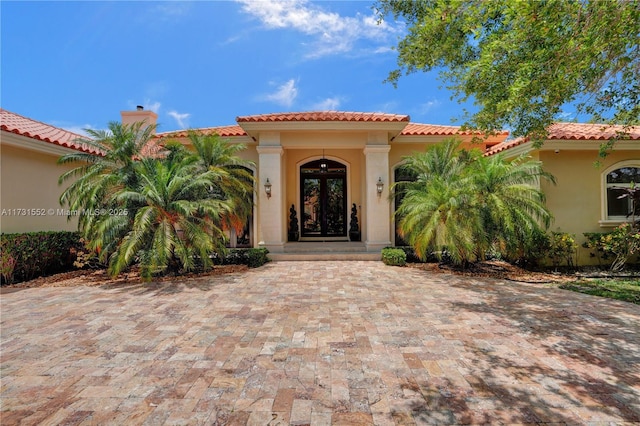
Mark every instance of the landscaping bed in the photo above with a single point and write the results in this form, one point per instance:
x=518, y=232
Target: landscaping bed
x=497, y=269
x=623, y=286
x=92, y=278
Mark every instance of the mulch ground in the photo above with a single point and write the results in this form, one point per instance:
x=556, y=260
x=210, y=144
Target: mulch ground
x=91, y=278
x=499, y=270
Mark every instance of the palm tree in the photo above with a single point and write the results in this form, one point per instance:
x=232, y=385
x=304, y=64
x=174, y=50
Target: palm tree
x=234, y=180
x=509, y=201
x=107, y=167
x=462, y=203
x=166, y=210
x=176, y=224
x=432, y=216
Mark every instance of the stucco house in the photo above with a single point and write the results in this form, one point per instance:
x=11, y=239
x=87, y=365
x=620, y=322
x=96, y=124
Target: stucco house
x=585, y=198
x=323, y=163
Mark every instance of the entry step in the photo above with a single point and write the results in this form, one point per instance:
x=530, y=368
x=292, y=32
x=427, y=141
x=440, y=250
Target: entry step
x=325, y=256
x=330, y=250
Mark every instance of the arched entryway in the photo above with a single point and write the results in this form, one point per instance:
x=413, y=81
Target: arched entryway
x=323, y=199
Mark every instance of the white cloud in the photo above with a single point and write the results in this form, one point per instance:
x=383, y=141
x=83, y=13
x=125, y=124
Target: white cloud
x=230, y=40
x=329, y=104
x=425, y=107
x=383, y=49
x=181, y=118
x=332, y=32
x=284, y=95
x=153, y=106
x=566, y=116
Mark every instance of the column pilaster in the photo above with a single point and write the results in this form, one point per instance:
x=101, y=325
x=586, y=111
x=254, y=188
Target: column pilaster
x=378, y=208
x=270, y=229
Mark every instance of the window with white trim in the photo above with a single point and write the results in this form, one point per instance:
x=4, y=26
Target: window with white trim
x=618, y=208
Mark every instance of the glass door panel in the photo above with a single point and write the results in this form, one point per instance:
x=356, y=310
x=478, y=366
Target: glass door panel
x=335, y=207
x=312, y=215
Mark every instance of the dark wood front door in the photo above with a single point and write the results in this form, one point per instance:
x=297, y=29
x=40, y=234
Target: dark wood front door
x=323, y=189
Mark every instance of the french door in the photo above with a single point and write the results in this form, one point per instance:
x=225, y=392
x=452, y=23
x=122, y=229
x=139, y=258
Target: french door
x=323, y=189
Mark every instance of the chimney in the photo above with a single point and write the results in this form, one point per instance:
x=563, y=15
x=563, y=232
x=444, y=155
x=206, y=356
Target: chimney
x=139, y=115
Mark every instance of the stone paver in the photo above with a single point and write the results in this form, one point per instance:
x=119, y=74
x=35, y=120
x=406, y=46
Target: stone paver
x=344, y=343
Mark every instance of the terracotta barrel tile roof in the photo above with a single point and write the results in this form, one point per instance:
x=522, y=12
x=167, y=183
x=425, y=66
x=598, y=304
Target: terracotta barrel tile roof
x=323, y=116
x=574, y=131
x=15, y=123
x=502, y=146
x=223, y=131
x=417, y=129
x=583, y=131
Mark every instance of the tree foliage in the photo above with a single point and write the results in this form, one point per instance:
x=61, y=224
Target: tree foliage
x=463, y=204
x=107, y=166
x=522, y=61
x=165, y=211
x=233, y=181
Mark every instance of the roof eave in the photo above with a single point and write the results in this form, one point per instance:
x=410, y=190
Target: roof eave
x=254, y=129
x=566, y=145
x=36, y=145
x=588, y=145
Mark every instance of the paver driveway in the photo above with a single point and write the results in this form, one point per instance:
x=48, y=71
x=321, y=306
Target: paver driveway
x=319, y=343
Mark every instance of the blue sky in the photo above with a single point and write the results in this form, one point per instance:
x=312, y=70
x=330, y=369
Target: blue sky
x=201, y=64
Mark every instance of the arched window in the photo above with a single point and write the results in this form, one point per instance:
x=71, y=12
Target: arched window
x=617, y=207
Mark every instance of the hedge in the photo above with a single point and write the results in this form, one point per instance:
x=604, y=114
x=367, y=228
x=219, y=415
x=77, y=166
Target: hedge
x=34, y=254
x=252, y=257
x=29, y=255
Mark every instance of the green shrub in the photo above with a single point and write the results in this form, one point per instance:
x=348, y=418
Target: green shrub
x=34, y=254
x=411, y=255
x=596, y=246
x=7, y=266
x=256, y=257
x=531, y=250
x=394, y=256
x=620, y=245
x=562, y=247
x=252, y=257
x=87, y=258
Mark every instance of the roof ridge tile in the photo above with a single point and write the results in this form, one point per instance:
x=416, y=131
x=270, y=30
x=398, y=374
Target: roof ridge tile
x=322, y=116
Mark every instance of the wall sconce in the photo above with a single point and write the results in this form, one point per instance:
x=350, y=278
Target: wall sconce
x=379, y=186
x=267, y=188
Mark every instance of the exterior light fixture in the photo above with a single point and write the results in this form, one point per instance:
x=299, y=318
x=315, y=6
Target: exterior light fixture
x=267, y=188
x=379, y=186
x=324, y=167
